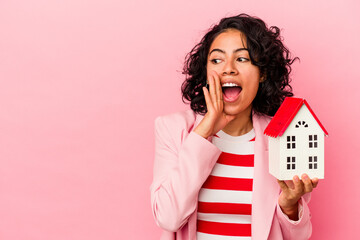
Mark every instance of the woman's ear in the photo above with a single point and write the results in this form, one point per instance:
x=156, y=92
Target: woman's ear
x=263, y=77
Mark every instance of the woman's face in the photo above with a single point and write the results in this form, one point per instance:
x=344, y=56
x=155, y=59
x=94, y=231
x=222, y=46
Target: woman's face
x=228, y=56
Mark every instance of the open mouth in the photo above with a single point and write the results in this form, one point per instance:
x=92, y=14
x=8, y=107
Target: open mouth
x=231, y=93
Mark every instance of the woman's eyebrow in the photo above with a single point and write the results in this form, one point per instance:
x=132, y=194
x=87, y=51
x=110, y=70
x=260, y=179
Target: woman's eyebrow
x=222, y=51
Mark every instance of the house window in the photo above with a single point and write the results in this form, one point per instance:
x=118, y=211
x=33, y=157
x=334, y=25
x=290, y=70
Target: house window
x=290, y=164
x=290, y=142
x=313, y=141
x=301, y=123
x=313, y=162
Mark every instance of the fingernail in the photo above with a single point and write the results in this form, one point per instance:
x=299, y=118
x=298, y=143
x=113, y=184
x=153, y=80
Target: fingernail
x=296, y=178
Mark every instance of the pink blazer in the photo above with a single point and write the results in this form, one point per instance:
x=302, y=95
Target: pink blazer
x=184, y=160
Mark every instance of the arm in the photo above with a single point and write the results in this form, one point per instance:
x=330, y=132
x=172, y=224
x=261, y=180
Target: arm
x=178, y=175
x=300, y=229
x=292, y=209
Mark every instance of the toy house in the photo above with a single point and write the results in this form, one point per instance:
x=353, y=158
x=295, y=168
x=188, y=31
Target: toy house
x=296, y=141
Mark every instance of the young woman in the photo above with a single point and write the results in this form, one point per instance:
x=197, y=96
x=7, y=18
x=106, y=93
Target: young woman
x=211, y=174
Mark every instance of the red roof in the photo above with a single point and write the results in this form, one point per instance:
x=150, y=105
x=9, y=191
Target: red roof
x=285, y=114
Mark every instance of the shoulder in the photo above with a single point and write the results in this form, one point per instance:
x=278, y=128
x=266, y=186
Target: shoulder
x=173, y=128
x=261, y=119
x=267, y=119
x=177, y=120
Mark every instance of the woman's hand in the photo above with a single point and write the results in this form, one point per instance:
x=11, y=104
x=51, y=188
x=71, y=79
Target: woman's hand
x=292, y=192
x=215, y=119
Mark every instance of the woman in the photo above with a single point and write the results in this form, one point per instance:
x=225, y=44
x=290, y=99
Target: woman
x=211, y=178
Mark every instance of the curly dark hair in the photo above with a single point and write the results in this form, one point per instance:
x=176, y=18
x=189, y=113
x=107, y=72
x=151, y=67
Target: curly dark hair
x=266, y=51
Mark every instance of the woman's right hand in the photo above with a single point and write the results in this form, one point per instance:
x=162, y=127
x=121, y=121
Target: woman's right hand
x=215, y=119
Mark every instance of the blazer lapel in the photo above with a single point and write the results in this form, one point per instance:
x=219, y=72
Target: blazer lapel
x=265, y=186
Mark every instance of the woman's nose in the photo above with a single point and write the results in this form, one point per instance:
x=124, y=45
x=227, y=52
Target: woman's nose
x=229, y=68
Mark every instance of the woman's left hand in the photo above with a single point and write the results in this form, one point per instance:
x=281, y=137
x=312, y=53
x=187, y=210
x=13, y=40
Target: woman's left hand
x=292, y=192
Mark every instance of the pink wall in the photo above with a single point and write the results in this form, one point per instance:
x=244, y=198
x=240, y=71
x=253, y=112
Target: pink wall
x=81, y=85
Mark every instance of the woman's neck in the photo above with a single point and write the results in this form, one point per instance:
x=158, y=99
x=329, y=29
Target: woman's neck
x=241, y=125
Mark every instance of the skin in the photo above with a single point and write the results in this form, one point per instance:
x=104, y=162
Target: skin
x=226, y=61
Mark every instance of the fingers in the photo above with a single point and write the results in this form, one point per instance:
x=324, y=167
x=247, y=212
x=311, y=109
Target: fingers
x=290, y=195
x=208, y=99
x=215, y=91
x=218, y=87
x=282, y=185
x=315, y=182
x=212, y=89
x=298, y=185
x=290, y=184
x=308, y=186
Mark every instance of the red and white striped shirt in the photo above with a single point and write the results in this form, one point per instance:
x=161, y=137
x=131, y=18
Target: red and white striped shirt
x=224, y=207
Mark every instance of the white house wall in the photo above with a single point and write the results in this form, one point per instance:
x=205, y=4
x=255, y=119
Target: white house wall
x=302, y=150
x=274, y=156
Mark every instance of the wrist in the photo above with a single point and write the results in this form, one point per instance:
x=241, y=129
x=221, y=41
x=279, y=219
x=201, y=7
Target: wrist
x=291, y=211
x=202, y=133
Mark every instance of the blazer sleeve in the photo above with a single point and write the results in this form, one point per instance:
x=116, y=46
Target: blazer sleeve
x=300, y=229
x=178, y=175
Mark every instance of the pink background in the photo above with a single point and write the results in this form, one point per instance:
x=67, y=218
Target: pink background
x=81, y=85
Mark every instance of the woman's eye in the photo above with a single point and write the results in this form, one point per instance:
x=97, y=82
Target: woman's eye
x=215, y=61
x=242, y=59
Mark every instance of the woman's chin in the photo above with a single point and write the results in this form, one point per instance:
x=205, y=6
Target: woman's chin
x=236, y=110
x=231, y=110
